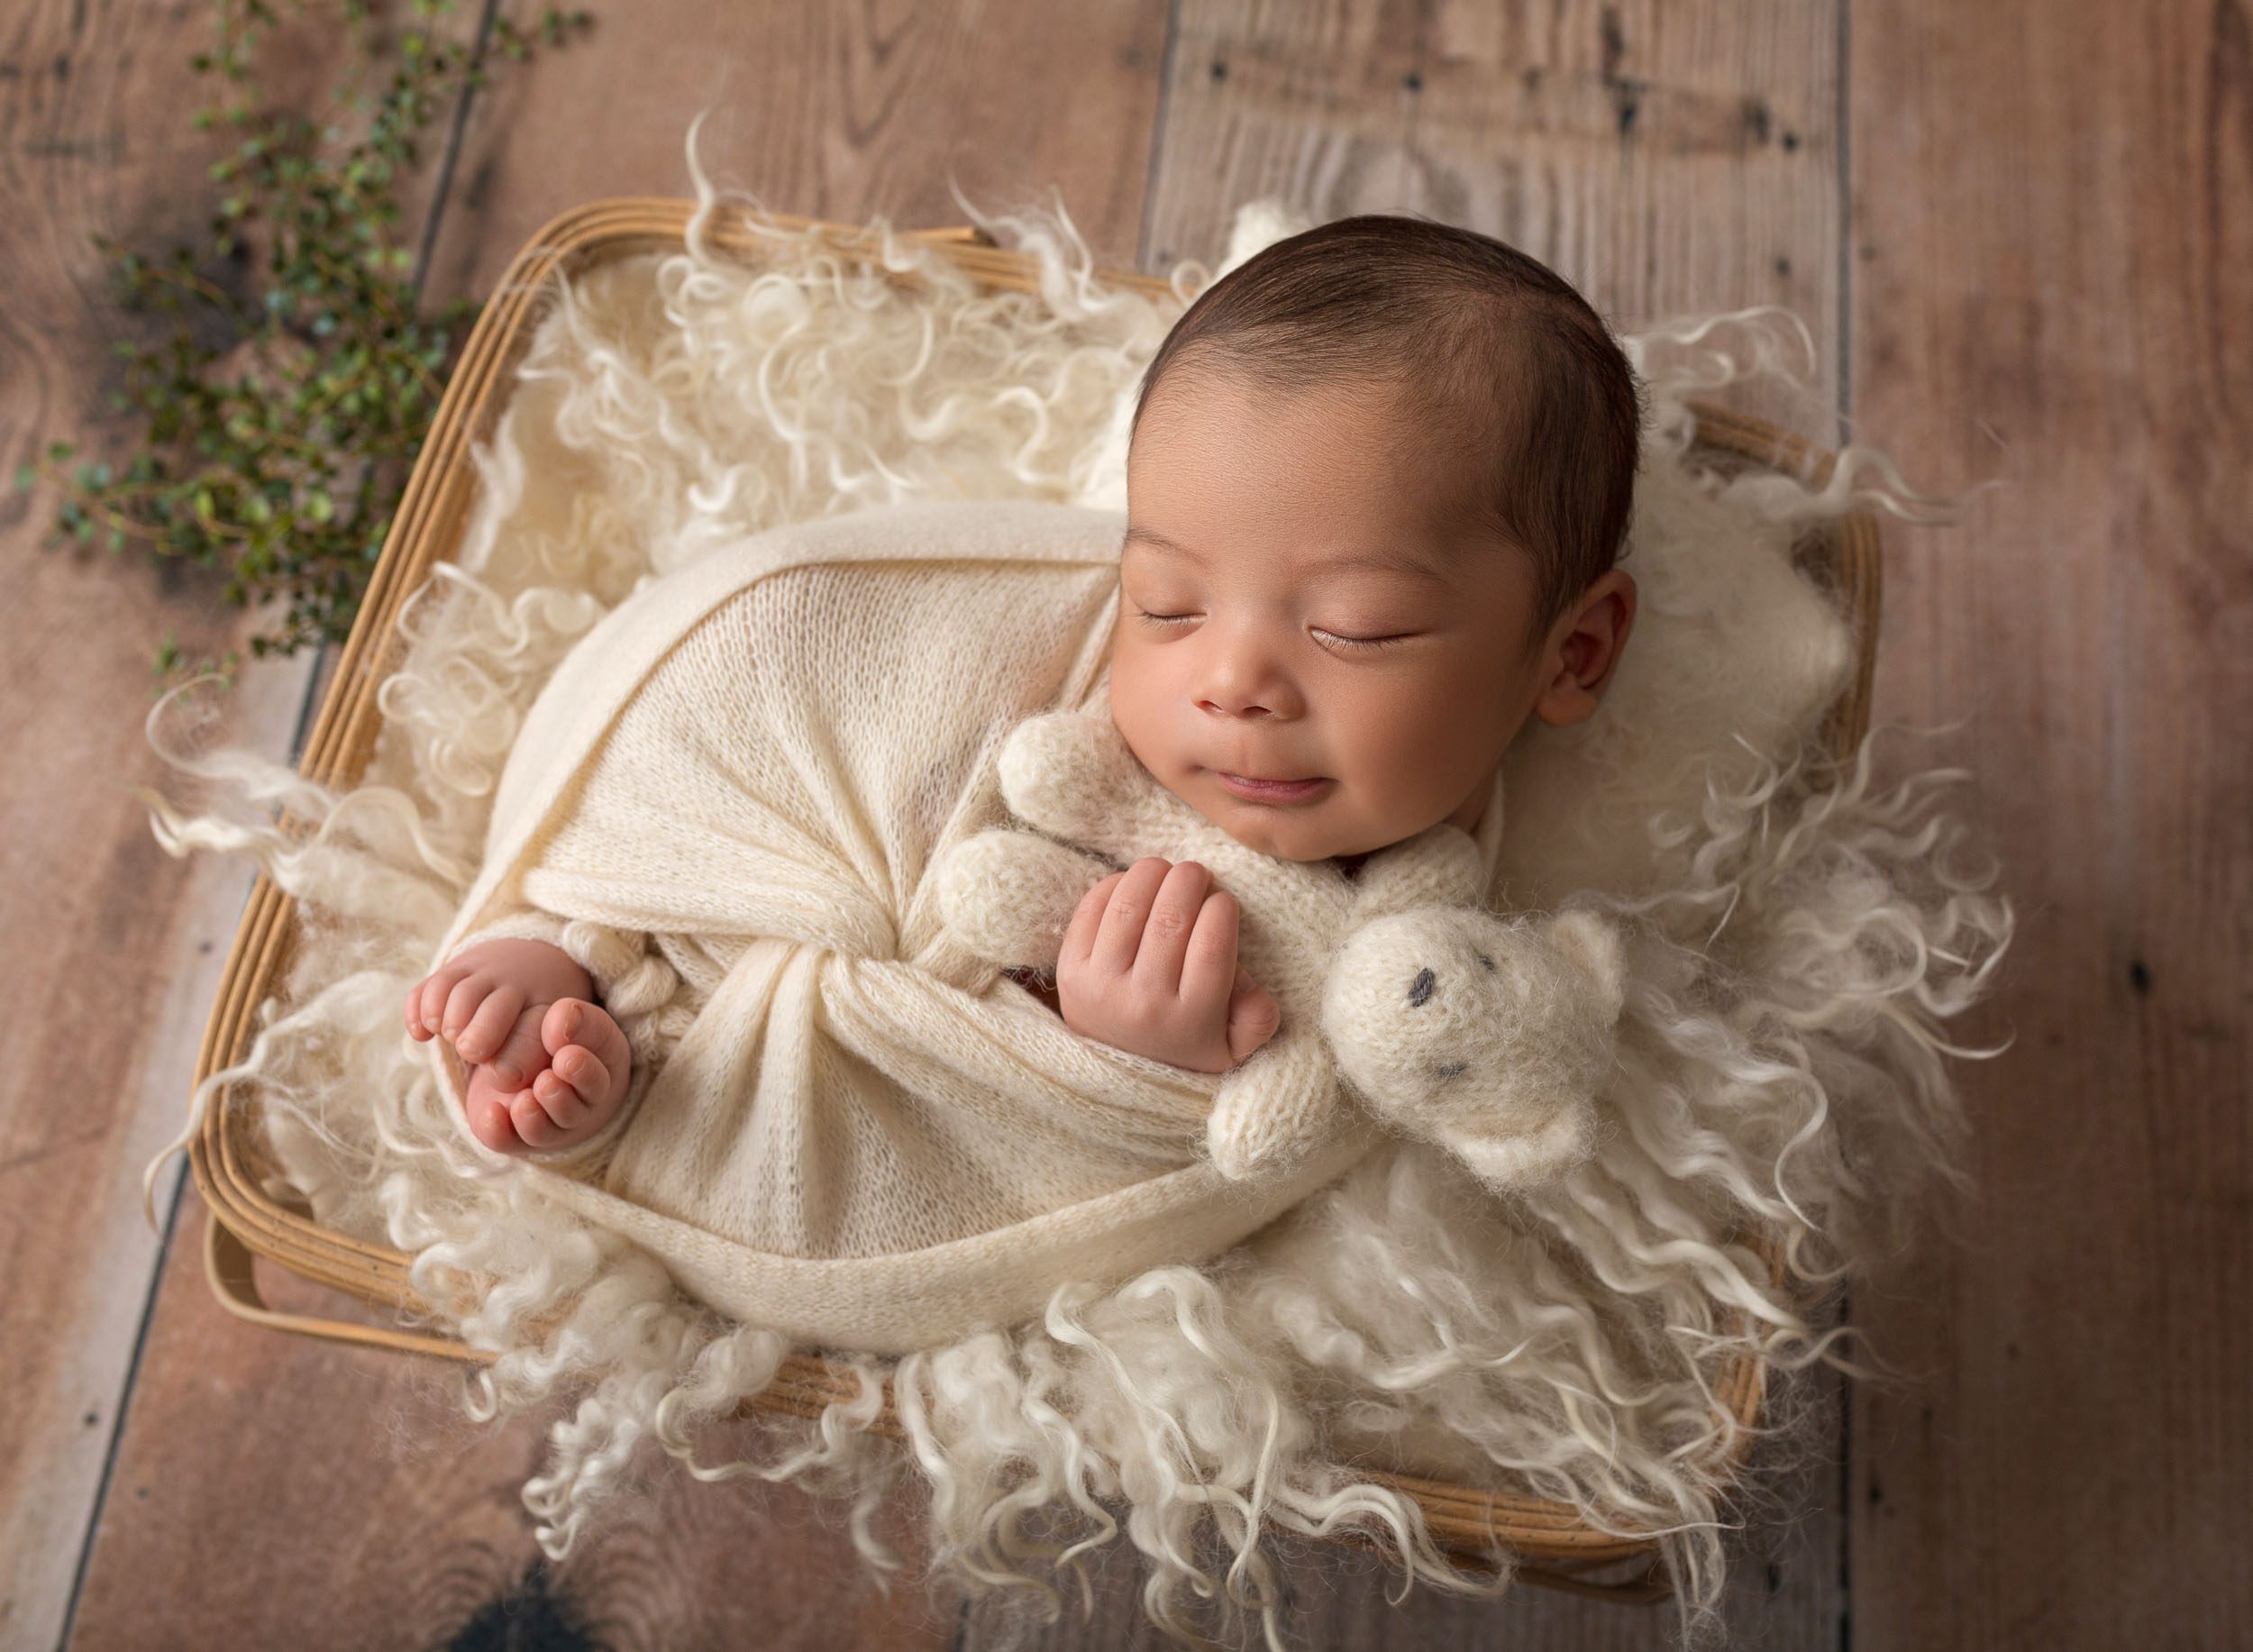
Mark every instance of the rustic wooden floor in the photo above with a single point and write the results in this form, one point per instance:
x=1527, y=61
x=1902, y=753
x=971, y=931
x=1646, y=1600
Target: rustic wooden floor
x=2023, y=232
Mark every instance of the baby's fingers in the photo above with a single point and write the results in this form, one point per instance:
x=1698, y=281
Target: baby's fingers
x=1086, y=918
x=1208, y=964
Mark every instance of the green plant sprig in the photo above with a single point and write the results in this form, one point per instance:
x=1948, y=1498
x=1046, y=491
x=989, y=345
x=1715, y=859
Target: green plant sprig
x=279, y=452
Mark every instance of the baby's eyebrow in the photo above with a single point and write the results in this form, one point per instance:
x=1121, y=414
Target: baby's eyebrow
x=1372, y=560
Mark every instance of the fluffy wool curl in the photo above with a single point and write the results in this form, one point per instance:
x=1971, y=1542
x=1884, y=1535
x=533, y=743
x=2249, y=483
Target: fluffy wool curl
x=1781, y=1056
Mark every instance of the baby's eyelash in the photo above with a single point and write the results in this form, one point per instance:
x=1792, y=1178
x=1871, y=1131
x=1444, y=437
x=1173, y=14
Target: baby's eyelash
x=1370, y=642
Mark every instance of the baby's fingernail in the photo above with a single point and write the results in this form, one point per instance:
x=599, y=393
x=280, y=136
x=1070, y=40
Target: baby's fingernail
x=506, y=1072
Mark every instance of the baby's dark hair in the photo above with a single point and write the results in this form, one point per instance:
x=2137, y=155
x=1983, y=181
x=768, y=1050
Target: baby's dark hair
x=1493, y=350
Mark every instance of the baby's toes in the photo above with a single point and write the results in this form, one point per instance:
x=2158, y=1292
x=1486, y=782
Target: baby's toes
x=521, y=1055
x=584, y=1072
x=571, y=1107
x=535, y=1123
x=489, y=1027
x=573, y=1022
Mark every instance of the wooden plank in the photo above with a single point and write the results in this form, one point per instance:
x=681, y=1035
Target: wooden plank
x=270, y=1484
x=1665, y=161
x=113, y=949
x=823, y=112
x=836, y=121
x=2053, y=286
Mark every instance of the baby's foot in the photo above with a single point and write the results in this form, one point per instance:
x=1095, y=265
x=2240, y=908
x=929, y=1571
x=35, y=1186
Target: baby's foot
x=578, y=1064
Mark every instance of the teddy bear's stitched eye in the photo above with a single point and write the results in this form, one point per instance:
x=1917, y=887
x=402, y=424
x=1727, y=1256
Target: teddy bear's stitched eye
x=1422, y=987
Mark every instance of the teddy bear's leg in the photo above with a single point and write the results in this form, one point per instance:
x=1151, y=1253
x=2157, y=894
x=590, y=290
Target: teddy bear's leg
x=1009, y=896
x=1280, y=1104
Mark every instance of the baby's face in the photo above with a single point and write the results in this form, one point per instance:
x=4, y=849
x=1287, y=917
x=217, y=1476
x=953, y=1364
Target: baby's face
x=1245, y=639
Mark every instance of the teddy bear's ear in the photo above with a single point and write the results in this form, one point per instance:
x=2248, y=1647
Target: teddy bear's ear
x=1593, y=941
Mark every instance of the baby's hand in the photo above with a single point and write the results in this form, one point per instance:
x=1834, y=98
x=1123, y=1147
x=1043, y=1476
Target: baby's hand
x=1149, y=967
x=549, y=1066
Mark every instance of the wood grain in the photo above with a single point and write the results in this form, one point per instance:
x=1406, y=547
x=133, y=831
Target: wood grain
x=829, y=112
x=278, y=1492
x=2053, y=287
x=112, y=950
x=1664, y=161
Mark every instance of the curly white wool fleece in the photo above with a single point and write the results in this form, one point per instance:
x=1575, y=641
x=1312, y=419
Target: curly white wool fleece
x=1798, y=937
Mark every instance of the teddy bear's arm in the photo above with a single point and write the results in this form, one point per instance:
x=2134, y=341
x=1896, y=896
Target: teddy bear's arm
x=1279, y=1104
x=1009, y=896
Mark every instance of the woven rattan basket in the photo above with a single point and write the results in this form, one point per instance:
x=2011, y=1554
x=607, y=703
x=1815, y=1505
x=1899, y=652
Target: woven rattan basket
x=228, y=1157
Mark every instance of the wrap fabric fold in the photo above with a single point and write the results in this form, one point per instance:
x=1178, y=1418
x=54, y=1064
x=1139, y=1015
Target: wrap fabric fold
x=861, y=1135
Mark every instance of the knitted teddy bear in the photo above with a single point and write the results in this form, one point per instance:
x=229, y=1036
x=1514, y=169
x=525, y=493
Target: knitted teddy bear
x=1485, y=1034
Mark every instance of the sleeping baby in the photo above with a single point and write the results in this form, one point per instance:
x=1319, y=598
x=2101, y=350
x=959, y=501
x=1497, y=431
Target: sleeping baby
x=1378, y=479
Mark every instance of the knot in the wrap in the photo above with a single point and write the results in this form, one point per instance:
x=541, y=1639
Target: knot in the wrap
x=633, y=979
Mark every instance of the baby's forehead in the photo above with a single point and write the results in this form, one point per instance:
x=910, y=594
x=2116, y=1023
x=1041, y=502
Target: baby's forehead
x=1458, y=420
x=1413, y=452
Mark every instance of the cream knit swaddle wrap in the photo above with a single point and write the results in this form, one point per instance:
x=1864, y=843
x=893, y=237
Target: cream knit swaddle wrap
x=727, y=803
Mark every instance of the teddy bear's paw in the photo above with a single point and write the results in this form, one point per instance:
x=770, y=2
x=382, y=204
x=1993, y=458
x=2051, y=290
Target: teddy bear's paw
x=1068, y=773
x=1457, y=1020
x=1438, y=867
x=1009, y=896
x=1514, y=1162
x=1279, y=1105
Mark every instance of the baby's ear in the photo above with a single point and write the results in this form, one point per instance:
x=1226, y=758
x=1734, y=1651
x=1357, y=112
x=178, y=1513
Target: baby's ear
x=1593, y=941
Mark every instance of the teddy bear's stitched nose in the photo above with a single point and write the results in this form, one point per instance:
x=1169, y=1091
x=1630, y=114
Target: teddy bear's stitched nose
x=1422, y=988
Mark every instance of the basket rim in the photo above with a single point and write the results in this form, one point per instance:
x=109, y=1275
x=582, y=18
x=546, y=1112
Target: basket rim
x=246, y=1223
